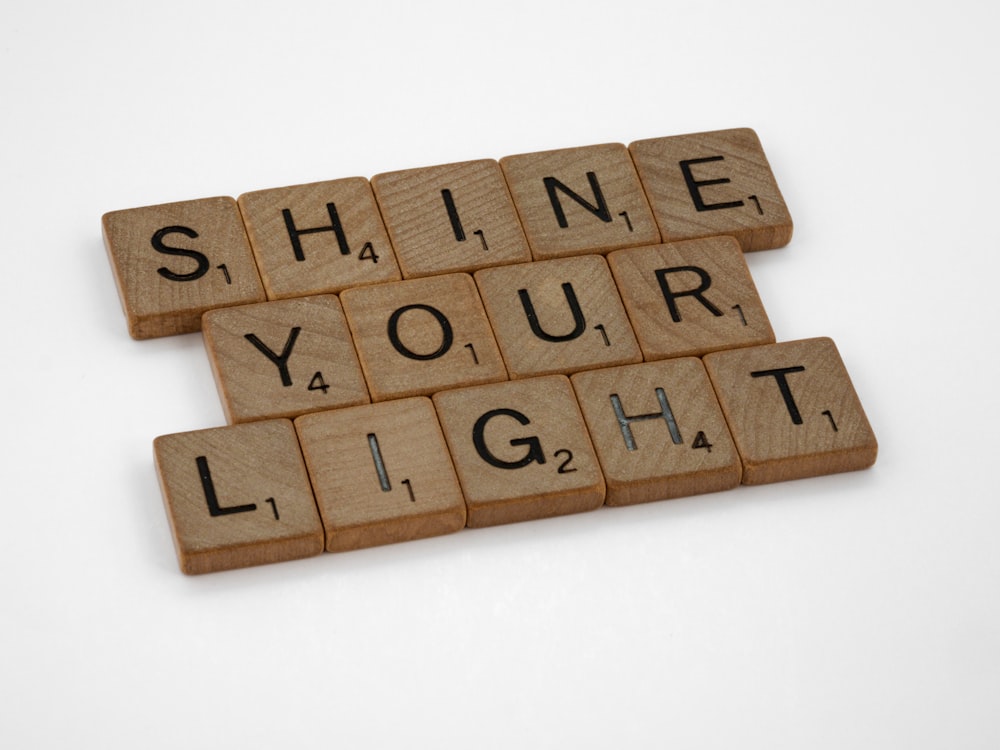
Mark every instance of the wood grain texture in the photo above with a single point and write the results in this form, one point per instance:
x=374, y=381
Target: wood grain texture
x=792, y=410
x=318, y=238
x=521, y=450
x=690, y=298
x=451, y=217
x=658, y=431
x=382, y=474
x=420, y=336
x=557, y=316
x=705, y=184
x=174, y=261
x=283, y=358
x=575, y=201
x=237, y=496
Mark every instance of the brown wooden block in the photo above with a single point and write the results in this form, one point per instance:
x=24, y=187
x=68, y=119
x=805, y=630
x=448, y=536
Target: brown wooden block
x=451, y=217
x=792, y=410
x=283, y=358
x=237, y=496
x=419, y=336
x=174, y=261
x=658, y=431
x=690, y=298
x=574, y=201
x=557, y=316
x=521, y=450
x=318, y=238
x=704, y=184
x=381, y=473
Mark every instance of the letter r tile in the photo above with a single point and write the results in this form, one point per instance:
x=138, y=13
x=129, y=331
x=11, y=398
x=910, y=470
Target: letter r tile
x=237, y=496
x=382, y=473
x=175, y=261
x=658, y=430
x=792, y=410
x=521, y=450
x=575, y=201
x=706, y=184
x=690, y=298
x=283, y=358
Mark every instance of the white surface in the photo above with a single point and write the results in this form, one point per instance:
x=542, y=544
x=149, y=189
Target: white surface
x=854, y=611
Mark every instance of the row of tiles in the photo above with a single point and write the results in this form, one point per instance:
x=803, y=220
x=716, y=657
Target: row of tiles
x=419, y=336
x=173, y=262
x=512, y=451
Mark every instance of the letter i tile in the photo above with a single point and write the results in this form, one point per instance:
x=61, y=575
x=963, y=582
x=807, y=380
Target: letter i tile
x=792, y=410
x=450, y=218
x=381, y=473
x=658, y=430
x=283, y=358
x=521, y=450
x=237, y=496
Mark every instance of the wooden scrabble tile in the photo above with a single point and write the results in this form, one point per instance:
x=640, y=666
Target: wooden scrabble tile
x=658, y=431
x=318, y=238
x=283, y=358
x=521, y=450
x=381, y=473
x=237, y=496
x=704, y=184
x=792, y=410
x=419, y=336
x=557, y=316
x=574, y=201
x=452, y=217
x=174, y=261
x=690, y=298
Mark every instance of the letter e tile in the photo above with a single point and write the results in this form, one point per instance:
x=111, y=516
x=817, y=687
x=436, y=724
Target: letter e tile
x=521, y=450
x=283, y=358
x=706, y=184
x=658, y=430
x=237, y=496
x=381, y=473
x=174, y=261
x=792, y=410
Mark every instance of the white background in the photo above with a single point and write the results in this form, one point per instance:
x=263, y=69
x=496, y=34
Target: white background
x=853, y=611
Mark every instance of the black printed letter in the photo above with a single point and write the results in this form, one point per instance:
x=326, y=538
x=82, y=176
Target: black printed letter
x=786, y=392
x=158, y=246
x=671, y=297
x=335, y=226
x=694, y=185
x=447, y=336
x=600, y=210
x=580, y=324
x=281, y=360
x=534, y=445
